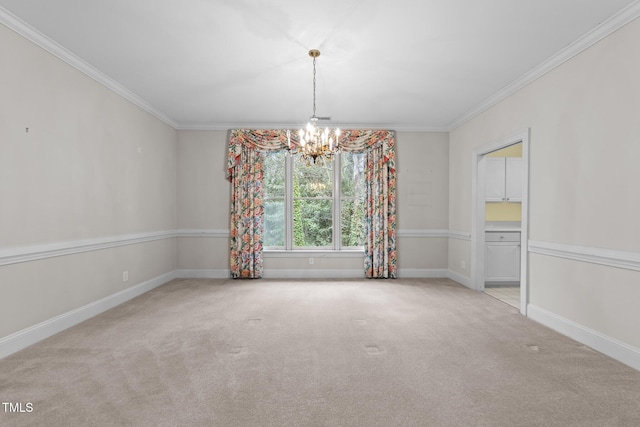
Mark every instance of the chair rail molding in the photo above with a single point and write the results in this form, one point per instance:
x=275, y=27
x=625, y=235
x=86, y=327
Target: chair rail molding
x=49, y=250
x=404, y=233
x=423, y=233
x=204, y=232
x=593, y=255
x=460, y=235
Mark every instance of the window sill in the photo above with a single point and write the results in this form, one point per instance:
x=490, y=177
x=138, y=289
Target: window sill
x=316, y=253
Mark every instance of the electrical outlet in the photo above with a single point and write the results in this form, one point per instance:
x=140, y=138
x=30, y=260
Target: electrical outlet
x=463, y=265
x=125, y=276
x=311, y=261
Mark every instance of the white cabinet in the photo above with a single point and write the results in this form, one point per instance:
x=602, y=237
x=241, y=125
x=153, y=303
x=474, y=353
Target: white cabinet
x=495, y=176
x=503, y=179
x=513, y=179
x=502, y=256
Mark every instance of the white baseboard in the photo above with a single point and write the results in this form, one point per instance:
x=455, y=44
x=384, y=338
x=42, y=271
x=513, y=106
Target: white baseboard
x=31, y=335
x=422, y=273
x=314, y=274
x=457, y=277
x=203, y=274
x=610, y=346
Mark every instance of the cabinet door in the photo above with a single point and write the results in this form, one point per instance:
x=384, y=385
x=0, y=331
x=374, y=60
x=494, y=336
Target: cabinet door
x=494, y=184
x=513, y=180
x=502, y=262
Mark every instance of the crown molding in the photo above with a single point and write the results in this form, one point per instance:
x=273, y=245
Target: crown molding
x=598, y=33
x=30, y=33
x=592, y=37
x=27, y=31
x=249, y=125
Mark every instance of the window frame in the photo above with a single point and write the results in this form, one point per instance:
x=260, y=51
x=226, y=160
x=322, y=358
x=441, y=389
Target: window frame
x=336, y=247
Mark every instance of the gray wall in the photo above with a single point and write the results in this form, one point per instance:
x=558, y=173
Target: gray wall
x=93, y=170
x=96, y=172
x=203, y=211
x=584, y=150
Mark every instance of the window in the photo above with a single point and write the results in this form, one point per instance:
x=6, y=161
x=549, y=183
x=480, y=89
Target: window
x=314, y=207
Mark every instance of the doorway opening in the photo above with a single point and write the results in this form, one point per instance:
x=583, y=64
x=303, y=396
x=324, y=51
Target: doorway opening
x=500, y=219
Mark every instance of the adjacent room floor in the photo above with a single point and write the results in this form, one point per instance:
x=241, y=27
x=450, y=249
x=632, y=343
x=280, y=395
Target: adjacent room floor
x=507, y=294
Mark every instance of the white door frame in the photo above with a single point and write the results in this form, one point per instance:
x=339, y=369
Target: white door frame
x=478, y=212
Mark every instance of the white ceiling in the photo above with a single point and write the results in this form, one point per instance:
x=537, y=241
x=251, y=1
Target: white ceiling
x=401, y=64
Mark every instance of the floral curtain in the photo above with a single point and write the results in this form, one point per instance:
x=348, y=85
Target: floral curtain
x=244, y=170
x=247, y=194
x=380, y=214
x=380, y=259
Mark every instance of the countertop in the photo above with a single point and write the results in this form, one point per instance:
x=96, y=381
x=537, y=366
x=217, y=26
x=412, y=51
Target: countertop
x=502, y=226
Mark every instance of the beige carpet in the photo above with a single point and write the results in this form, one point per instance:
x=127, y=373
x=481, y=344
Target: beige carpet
x=316, y=353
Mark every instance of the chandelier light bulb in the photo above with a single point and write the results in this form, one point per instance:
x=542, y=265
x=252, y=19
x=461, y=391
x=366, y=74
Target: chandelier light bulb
x=302, y=140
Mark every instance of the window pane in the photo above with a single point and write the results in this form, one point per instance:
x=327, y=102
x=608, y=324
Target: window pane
x=352, y=175
x=312, y=223
x=274, y=174
x=274, y=182
x=313, y=202
x=274, y=223
x=312, y=180
x=352, y=223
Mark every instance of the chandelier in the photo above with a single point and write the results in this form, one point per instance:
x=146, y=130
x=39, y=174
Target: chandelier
x=316, y=144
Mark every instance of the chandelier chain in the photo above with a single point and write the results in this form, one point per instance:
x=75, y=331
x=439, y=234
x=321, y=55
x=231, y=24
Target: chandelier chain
x=314, y=86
